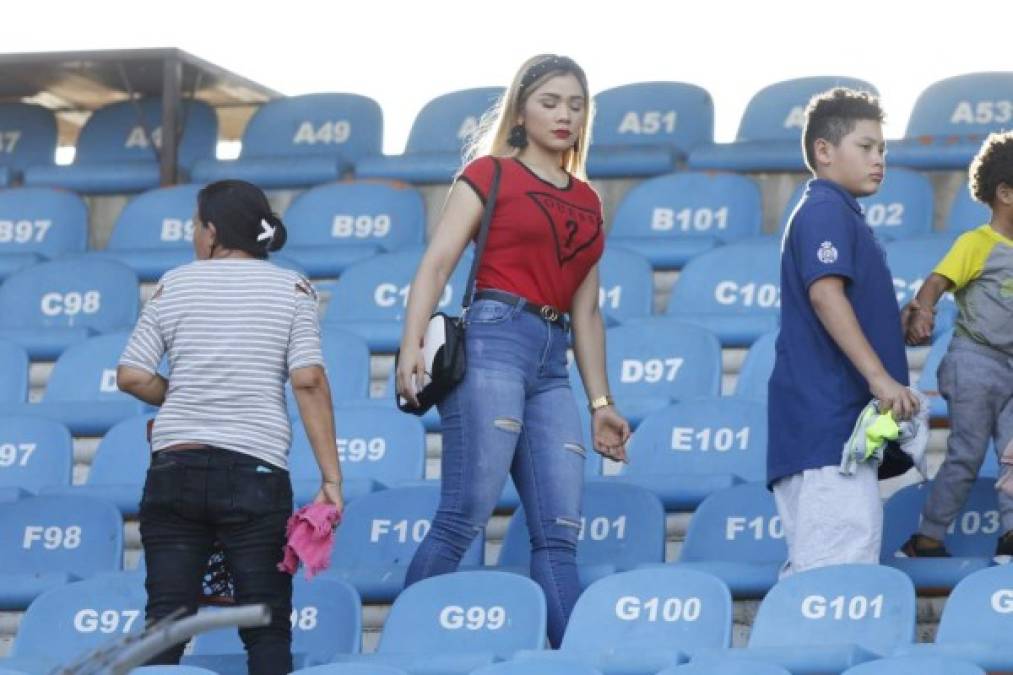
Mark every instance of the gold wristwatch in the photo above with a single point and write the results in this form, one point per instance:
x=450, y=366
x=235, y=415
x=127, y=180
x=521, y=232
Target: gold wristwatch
x=600, y=402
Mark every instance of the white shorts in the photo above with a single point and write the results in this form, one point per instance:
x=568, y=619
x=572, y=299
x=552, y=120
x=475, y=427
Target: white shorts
x=830, y=518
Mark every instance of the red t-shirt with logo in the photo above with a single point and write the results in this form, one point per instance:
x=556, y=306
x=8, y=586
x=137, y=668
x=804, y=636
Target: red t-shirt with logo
x=543, y=240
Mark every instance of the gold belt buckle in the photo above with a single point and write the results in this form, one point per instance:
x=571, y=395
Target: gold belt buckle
x=549, y=313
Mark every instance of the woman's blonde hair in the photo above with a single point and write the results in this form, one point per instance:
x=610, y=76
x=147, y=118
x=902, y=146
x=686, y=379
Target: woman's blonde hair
x=490, y=137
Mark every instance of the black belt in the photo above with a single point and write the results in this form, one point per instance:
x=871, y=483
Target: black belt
x=546, y=312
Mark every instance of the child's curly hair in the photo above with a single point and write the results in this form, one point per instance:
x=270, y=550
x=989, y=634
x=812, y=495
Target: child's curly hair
x=991, y=166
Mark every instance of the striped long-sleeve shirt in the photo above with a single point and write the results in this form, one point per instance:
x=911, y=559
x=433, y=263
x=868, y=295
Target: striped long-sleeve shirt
x=232, y=331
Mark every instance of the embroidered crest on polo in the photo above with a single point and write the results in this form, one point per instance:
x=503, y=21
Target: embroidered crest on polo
x=827, y=253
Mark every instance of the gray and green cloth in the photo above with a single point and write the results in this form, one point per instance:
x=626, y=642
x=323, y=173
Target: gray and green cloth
x=873, y=430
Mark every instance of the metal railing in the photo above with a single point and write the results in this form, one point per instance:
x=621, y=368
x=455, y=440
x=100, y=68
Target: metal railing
x=131, y=651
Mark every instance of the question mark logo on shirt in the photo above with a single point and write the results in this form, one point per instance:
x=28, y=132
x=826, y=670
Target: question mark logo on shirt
x=571, y=228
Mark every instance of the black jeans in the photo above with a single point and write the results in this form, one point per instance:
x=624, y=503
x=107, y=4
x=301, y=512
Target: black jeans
x=194, y=497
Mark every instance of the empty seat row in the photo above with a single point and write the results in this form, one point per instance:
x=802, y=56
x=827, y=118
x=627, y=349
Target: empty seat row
x=329, y=227
x=640, y=129
x=738, y=298
x=326, y=620
x=651, y=362
x=639, y=622
x=734, y=534
x=669, y=219
x=902, y=208
x=683, y=453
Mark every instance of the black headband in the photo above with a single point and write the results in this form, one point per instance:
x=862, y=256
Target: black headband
x=553, y=63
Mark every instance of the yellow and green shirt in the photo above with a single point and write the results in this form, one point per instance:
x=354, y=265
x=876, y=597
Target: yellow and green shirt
x=980, y=265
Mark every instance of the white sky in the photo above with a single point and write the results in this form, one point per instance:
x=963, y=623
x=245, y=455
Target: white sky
x=405, y=53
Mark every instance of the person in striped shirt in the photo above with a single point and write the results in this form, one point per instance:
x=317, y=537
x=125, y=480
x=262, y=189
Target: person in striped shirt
x=232, y=327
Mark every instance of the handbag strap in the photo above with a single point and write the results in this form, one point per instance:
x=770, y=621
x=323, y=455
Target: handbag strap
x=483, y=235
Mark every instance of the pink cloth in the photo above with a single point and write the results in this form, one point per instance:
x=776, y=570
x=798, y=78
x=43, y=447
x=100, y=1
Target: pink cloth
x=310, y=533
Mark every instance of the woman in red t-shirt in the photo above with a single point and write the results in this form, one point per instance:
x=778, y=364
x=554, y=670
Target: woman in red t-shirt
x=514, y=412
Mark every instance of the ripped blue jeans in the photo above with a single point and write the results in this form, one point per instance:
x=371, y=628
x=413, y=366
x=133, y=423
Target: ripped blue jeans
x=513, y=413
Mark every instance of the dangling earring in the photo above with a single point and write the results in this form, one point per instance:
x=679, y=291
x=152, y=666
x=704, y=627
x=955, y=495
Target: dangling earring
x=518, y=137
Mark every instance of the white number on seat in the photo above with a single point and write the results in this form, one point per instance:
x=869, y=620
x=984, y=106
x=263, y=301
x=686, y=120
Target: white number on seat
x=402, y=529
x=23, y=231
x=11, y=454
x=106, y=620
x=335, y=132
x=361, y=449
x=52, y=537
x=454, y=617
x=669, y=610
x=759, y=527
x=841, y=607
x=601, y=528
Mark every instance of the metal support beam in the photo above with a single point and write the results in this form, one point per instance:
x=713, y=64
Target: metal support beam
x=172, y=76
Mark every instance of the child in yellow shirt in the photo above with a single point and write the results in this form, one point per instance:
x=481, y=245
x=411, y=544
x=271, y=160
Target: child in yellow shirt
x=976, y=375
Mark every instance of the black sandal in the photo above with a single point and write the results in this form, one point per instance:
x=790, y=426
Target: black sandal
x=916, y=548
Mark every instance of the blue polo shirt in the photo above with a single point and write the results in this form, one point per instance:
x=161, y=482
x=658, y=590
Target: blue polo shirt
x=815, y=394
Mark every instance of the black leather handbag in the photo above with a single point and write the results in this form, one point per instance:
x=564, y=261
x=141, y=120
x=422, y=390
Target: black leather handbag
x=443, y=345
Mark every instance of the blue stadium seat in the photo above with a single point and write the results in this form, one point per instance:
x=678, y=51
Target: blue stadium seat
x=39, y=223
x=911, y=261
x=638, y=622
x=51, y=306
x=976, y=622
x=966, y=213
x=736, y=535
x=14, y=367
x=647, y=128
x=653, y=362
x=67, y=622
x=350, y=669
x=828, y=619
x=332, y=226
x=154, y=232
x=378, y=537
x=369, y=298
x=971, y=540
x=34, y=453
x=951, y=118
x=729, y=666
x=27, y=138
x=622, y=526
x=301, y=141
x=905, y=665
x=733, y=291
x=82, y=391
x=689, y=450
x=671, y=219
x=326, y=620
x=346, y=360
x=118, y=470
x=756, y=368
x=454, y=623
x=437, y=139
x=928, y=381
x=902, y=208
x=378, y=447
x=626, y=285
x=532, y=667
x=49, y=541
x=114, y=151
x=768, y=136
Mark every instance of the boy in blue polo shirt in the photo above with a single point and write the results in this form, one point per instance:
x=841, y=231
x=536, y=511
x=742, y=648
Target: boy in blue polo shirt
x=840, y=344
